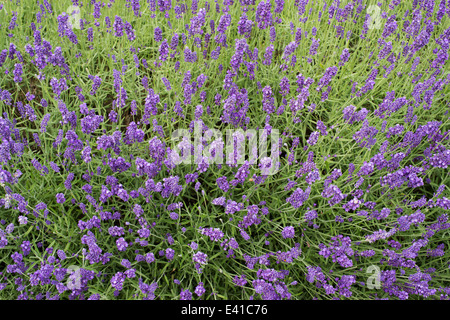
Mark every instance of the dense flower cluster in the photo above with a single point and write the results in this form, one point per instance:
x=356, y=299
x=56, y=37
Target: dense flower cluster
x=97, y=191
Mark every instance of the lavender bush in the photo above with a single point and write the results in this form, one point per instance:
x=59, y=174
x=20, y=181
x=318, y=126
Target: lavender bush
x=94, y=205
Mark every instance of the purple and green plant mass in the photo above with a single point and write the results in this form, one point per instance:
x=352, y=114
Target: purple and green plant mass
x=349, y=201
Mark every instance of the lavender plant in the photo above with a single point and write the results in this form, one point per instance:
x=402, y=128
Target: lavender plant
x=95, y=201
